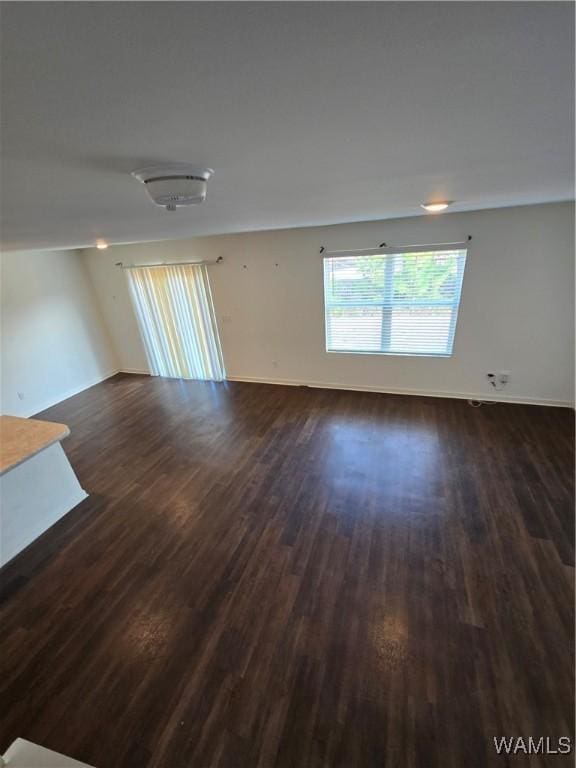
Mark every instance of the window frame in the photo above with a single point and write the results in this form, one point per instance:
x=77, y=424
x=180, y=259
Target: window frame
x=400, y=251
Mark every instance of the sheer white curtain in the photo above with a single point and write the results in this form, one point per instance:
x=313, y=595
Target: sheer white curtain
x=176, y=317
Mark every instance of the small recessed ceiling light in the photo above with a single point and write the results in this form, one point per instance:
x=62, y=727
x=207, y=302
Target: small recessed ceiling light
x=101, y=245
x=435, y=207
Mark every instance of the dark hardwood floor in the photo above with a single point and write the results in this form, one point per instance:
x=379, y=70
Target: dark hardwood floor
x=269, y=576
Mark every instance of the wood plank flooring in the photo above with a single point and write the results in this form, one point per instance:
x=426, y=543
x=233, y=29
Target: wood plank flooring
x=275, y=577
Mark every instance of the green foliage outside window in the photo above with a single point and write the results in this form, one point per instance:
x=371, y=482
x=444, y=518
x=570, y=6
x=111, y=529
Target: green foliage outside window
x=423, y=276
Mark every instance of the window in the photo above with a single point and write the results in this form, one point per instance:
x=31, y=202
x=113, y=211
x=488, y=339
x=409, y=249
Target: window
x=403, y=303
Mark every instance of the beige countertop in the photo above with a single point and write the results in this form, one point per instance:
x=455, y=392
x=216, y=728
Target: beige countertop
x=22, y=438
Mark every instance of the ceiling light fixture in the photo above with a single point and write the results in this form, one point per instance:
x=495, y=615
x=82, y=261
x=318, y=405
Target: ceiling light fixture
x=175, y=185
x=436, y=207
x=101, y=245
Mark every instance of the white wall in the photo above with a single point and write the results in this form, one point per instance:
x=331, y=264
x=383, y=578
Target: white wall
x=54, y=341
x=516, y=313
x=34, y=495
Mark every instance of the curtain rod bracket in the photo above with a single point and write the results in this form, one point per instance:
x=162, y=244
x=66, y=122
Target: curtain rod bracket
x=322, y=249
x=382, y=245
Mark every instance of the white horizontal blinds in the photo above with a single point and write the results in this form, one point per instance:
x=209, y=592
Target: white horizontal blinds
x=394, y=303
x=176, y=318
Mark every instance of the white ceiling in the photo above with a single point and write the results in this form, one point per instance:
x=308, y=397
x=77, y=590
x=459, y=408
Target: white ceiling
x=310, y=113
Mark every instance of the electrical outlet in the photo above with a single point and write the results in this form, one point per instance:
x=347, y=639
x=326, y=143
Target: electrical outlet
x=498, y=380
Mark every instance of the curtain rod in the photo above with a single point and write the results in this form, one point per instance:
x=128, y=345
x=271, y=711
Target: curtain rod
x=394, y=248
x=219, y=260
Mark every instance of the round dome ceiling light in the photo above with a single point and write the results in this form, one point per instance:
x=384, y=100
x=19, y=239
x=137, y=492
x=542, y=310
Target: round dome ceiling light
x=436, y=207
x=175, y=185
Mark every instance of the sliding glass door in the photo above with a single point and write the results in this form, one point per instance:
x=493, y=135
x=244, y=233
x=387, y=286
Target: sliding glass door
x=176, y=317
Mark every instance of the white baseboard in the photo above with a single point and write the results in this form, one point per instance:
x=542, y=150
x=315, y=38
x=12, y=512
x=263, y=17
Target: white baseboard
x=413, y=392
x=138, y=371
x=318, y=385
x=388, y=390
x=68, y=393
